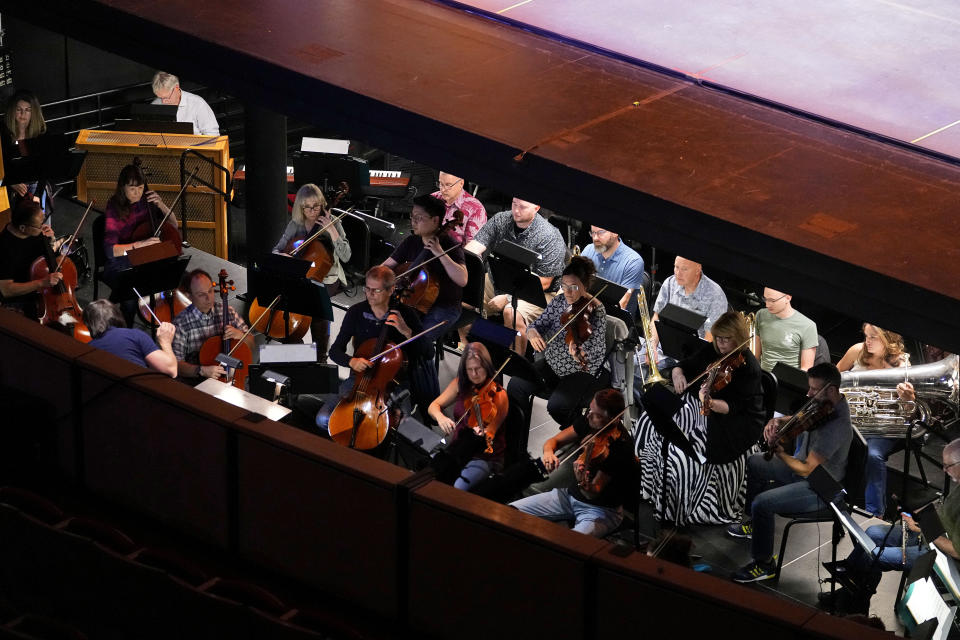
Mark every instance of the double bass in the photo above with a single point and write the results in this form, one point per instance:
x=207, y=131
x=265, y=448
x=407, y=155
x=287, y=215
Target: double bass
x=218, y=344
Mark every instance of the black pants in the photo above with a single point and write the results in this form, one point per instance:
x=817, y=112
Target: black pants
x=565, y=396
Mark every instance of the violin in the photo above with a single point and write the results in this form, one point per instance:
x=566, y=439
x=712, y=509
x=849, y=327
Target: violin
x=810, y=416
x=579, y=329
x=417, y=286
x=218, y=344
x=719, y=377
x=60, y=306
x=481, y=410
x=596, y=451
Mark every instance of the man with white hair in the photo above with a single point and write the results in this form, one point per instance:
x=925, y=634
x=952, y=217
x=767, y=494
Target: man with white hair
x=190, y=107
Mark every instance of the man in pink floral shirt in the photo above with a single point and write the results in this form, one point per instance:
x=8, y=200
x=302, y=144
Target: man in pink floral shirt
x=455, y=197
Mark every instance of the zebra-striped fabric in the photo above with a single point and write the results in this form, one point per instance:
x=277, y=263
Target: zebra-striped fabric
x=696, y=493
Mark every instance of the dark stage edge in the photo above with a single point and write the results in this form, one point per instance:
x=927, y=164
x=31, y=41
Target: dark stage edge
x=859, y=225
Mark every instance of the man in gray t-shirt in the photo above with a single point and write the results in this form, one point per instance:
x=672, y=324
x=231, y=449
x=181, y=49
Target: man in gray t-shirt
x=827, y=444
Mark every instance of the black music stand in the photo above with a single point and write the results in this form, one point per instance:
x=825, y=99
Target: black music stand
x=499, y=339
x=661, y=405
x=149, y=278
x=678, y=330
x=274, y=275
x=511, y=272
x=50, y=161
x=612, y=295
x=792, y=386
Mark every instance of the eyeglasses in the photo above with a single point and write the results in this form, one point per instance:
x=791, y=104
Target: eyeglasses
x=594, y=234
x=572, y=288
x=419, y=217
x=447, y=187
x=169, y=95
x=947, y=466
x=724, y=339
x=374, y=291
x=312, y=207
x=772, y=300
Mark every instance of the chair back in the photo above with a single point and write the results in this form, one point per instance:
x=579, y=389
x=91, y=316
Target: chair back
x=517, y=431
x=768, y=383
x=823, y=351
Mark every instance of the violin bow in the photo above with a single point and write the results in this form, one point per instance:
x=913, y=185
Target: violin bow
x=591, y=437
x=253, y=324
x=407, y=341
x=574, y=316
x=316, y=234
x=156, y=233
x=664, y=542
x=145, y=304
x=428, y=261
x=73, y=237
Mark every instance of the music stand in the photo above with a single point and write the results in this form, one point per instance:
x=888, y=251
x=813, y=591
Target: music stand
x=149, y=278
x=612, y=294
x=274, y=275
x=792, y=386
x=661, y=405
x=50, y=161
x=498, y=339
x=511, y=271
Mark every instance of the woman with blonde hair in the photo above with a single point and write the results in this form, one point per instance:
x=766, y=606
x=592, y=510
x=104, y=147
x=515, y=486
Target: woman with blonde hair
x=23, y=121
x=880, y=349
x=309, y=214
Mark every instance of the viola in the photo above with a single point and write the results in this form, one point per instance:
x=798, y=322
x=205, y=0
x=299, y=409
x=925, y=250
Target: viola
x=719, y=377
x=417, y=286
x=597, y=450
x=218, y=344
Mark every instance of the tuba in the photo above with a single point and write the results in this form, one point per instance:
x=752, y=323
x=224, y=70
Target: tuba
x=653, y=375
x=877, y=411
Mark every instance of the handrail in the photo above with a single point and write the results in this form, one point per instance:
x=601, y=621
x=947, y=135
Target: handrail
x=183, y=172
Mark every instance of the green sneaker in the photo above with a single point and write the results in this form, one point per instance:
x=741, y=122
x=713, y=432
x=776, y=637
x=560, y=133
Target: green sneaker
x=741, y=530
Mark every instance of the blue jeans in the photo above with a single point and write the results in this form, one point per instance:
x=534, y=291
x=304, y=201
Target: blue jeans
x=435, y=315
x=875, y=493
x=889, y=555
x=472, y=473
x=791, y=494
x=559, y=506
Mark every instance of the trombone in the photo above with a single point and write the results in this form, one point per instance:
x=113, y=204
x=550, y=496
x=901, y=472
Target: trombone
x=653, y=375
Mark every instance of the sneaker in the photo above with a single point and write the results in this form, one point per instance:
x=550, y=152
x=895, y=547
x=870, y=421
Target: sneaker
x=756, y=571
x=741, y=530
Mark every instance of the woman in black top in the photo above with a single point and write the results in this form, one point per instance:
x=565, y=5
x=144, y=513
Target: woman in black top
x=708, y=490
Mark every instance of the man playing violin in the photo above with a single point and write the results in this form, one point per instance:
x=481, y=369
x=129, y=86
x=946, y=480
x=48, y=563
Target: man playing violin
x=429, y=238
x=365, y=320
x=827, y=444
x=474, y=388
x=594, y=503
x=200, y=321
x=21, y=243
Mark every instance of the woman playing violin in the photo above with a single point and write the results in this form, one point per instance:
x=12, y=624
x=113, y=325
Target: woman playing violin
x=733, y=402
x=594, y=502
x=130, y=206
x=572, y=358
x=309, y=214
x=429, y=238
x=474, y=385
x=21, y=242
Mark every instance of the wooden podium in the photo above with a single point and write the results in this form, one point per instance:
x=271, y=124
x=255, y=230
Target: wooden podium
x=109, y=151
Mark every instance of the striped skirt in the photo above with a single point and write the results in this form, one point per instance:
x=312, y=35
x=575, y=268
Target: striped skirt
x=696, y=493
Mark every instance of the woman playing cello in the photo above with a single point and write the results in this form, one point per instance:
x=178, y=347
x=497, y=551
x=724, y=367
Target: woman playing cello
x=309, y=214
x=473, y=387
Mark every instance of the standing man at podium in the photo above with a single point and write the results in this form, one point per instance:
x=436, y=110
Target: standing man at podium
x=190, y=107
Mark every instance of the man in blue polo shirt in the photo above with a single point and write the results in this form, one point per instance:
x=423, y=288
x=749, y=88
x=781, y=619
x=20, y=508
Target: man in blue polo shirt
x=617, y=263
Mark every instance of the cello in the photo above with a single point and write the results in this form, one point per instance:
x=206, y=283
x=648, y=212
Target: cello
x=418, y=287
x=282, y=325
x=60, y=306
x=218, y=344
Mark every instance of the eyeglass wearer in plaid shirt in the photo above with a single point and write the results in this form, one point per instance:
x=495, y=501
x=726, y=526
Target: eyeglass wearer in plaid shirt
x=194, y=327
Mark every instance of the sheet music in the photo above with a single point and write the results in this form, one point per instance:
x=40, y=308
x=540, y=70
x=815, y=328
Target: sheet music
x=325, y=145
x=923, y=601
x=946, y=568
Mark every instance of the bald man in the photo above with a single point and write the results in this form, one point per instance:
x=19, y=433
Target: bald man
x=689, y=289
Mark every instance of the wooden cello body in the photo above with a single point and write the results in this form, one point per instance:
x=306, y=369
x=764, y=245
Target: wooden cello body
x=60, y=306
x=217, y=344
x=361, y=418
